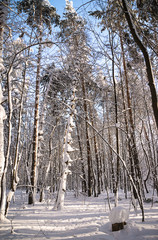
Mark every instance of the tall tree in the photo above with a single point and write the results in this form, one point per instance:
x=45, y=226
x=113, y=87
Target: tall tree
x=66, y=161
x=16, y=159
x=74, y=36
x=145, y=53
x=2, y=157
x=39, y=13
x=3, y=163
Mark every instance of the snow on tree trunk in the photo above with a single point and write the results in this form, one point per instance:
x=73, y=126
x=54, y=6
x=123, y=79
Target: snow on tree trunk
x=3, y=161
x=3, y=179
x=140, y=201
x=2, y=118
x=34, y=171
x=41, y=139
x=66, y=162
x=2, y=158
x=144, y=51
x=15, y=178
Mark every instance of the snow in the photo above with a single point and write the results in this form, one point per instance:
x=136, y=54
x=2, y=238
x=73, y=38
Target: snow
x=46, y=3
x=82, y=218
x=3, y=115
x=70, y=6
x=69, y=148
x=118, y=215
x=2, y=68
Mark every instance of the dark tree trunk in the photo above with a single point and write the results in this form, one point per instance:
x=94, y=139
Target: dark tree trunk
x=146, y=58
x=84, y=186
x=133, y=154
x=89, y=159
x=36, y=130
x=116, y=120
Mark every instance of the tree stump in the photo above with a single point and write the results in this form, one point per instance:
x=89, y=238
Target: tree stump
x=30, y=198
x=118, y=226
x=118, y=217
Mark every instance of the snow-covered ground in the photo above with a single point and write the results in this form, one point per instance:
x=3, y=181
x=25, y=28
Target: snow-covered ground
x=82, y=218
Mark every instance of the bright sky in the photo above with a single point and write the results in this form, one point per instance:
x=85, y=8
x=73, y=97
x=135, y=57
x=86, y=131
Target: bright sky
x=60, y=4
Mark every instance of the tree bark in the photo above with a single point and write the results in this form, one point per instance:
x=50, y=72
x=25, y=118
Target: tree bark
x=116, y=120
x=127, y=171
x=3, y=179
x=84, y=186
x=89, y=159
x=15, y=178
x=34, y=174
x=98, y=176
x=2, y=158
x=146, y=58
x=3, y=14
x=66, y=161
x=133, y=154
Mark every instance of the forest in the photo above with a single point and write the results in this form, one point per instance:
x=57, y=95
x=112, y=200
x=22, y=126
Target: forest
x=78, y=105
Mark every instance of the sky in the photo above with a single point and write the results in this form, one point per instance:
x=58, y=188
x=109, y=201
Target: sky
x=60, y=4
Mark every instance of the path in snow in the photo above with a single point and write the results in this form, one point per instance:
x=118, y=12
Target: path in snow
x=81, y=219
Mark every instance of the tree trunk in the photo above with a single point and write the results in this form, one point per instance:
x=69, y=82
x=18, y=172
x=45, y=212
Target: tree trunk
x=15, y=178
x=84, y=186
x=89, y=158
x=127, y=171
x=134, y=160
x=151, y=144
x=2, y=158
x=3, y=180
x=48, y=169
x=66, y=161
x=146, y=58
x=97, y=177
x=3, y=14
x=116, y=121
x=34, y=171
x=110, y=153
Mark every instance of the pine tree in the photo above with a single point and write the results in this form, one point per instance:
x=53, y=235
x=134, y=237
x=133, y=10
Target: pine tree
x=66, y=161
x=39, y=13
x=78, y=66
x=2, y=158
x=3, y=164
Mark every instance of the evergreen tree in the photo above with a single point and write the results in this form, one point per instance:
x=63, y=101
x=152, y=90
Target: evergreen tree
x=39, y=13
x=78, y=66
